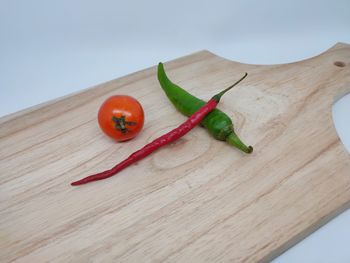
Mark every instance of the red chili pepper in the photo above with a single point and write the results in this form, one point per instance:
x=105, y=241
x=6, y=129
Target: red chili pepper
x=167, y=138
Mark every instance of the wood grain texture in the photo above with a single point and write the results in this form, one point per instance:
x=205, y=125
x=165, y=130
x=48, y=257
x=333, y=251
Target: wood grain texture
x=196, y=200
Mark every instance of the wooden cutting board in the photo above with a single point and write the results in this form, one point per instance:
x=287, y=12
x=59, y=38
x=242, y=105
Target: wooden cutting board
x=196, y=200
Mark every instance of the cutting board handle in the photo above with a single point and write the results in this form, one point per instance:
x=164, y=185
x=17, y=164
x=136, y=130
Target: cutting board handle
x=336, y=58
x=342, y=63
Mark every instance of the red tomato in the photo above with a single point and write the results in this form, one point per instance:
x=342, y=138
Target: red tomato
x=121, y=117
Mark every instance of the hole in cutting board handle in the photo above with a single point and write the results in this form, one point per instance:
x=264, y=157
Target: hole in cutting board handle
x=340, y=64
x=341, y=120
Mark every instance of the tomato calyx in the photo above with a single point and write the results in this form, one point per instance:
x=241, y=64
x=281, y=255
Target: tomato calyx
x=121, y=123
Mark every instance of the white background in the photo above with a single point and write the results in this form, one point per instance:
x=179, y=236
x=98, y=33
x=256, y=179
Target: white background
x=52, y=48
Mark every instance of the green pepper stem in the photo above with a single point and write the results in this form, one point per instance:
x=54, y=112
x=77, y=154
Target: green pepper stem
x=218, y=96
x=234, y=140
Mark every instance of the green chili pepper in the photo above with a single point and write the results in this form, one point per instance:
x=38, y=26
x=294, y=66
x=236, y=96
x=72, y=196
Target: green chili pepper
x=216, y=122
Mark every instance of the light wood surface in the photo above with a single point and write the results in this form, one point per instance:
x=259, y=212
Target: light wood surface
x=196, y=200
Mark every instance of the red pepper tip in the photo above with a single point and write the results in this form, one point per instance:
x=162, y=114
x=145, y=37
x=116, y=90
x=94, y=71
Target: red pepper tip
x=76, y=183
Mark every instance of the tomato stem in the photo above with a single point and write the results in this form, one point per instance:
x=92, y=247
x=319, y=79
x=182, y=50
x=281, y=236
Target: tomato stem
x=120, y=124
